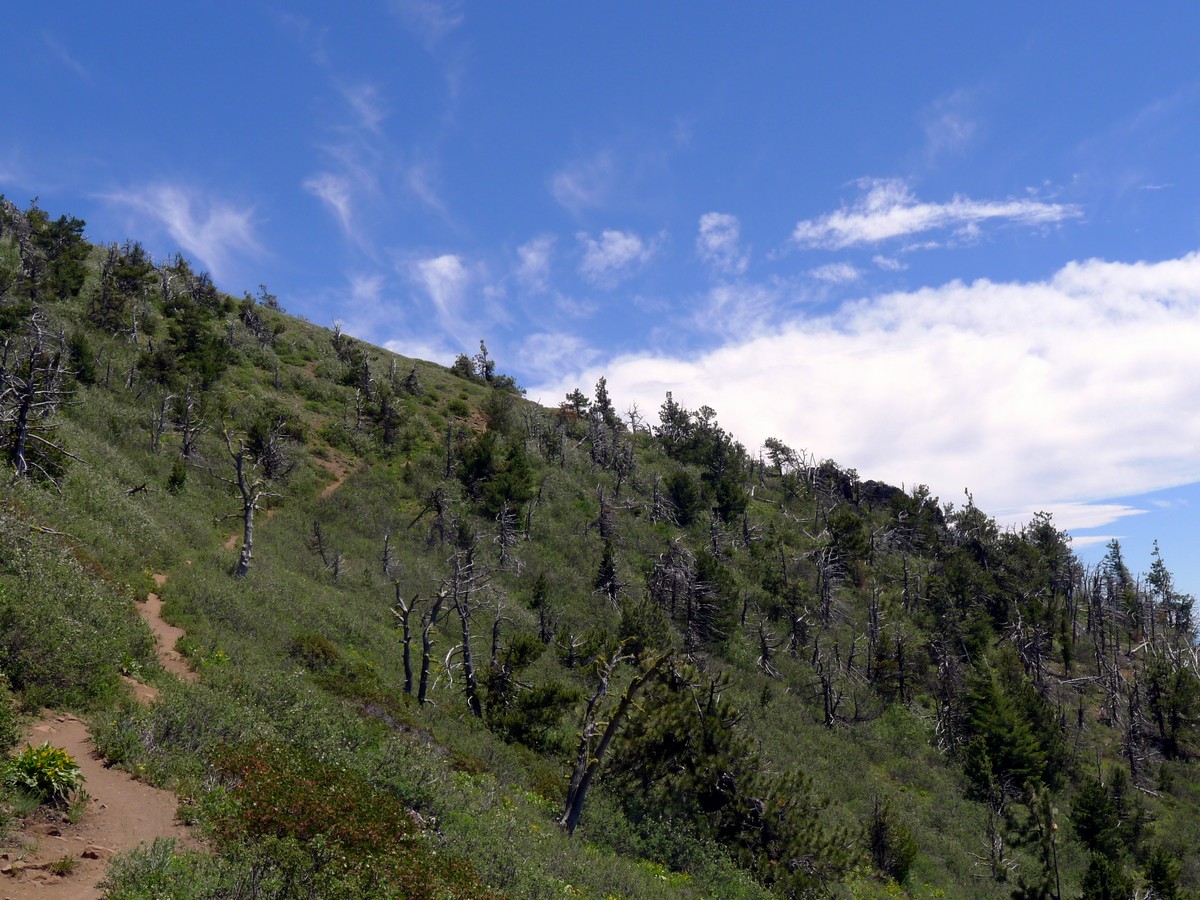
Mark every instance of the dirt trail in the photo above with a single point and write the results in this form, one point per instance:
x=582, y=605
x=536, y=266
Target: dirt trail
x=167, y=634
x=121, y=812
x=338, y=467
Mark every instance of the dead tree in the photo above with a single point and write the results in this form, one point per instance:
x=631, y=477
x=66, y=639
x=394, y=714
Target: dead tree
x=507, y=537
x=158, y=422
x=428, y=622
x=464, y=583
x=319, y=544
x=33, y=386
x=767, y=645
x=188, y=423
x=253, y=487
x=387, y=561
x=402, y=612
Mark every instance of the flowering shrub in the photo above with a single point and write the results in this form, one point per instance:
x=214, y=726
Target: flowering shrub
x=50, y=773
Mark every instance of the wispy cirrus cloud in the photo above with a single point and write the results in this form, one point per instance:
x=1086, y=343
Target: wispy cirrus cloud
x=719, y=244
x=445, y=279
x=336, y=192
x=214, y=231
x=584, y=183
x=545, y=353
x=888, y=209
x=614, y=256
x=353, y=156
x=431, y=20
x=836, y=273
x=1078, y=389
x=452, y=283
x=533, y=268
x=949, y=126
x=365, y=101
x=64, y=56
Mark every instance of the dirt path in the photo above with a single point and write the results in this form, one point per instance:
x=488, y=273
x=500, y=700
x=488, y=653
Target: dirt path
x=120, y=814
x=168, y=635
x=339, y=467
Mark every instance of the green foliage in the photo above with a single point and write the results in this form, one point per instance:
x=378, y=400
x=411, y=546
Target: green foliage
x=313, y=651
x=893, y=849
x=10, y=732
x=177, y=480
x=63, y=634
x=49, y=773
x=685, y=495
x=360, y=838
x=1173, y=692
x=1162, y=873
x=1106, y=879
x=1096, y=819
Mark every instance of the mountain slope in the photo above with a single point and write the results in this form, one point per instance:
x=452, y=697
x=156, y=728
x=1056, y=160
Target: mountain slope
x=740, y=675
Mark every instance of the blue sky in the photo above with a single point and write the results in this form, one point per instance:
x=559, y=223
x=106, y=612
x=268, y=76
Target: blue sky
x=936, y=243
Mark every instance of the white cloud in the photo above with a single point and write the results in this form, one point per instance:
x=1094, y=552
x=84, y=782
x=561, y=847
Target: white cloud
x=420, y=179
x=533, y=270
x=889, y=263
x=421, y=348
x=584, y=184
x=213, y=231
x=446, y=280
x=836, y=273
x=431, y=20
x=718, y=243
x=742, y=309
x=364, y=101
x=544, y=354
x=889, y=209
x=1057, y=394
x=335, y=192
x=1079, y=515
x=356, y=155
x=614, y=257
x=949, y=127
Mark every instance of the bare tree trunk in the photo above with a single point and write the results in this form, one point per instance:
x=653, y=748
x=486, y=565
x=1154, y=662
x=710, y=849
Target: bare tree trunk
x=589, y=760
x=403, y=611
x=427, y=645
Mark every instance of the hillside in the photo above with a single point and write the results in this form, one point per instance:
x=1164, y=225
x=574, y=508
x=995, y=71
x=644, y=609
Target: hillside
x=451, y=643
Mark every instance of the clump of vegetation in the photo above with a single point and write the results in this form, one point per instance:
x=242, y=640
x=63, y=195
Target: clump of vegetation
x=47, y=772
x=334, y=825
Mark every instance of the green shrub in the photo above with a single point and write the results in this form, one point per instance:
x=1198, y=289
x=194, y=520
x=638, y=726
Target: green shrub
x=893, y=849
x=334, y=820
x=10, y=734
x=313, y=651
x=48, y=772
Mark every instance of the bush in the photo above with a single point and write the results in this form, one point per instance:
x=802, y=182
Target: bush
x=10, y=734
x=50, y=773
x=893, y=849
x=333, y=819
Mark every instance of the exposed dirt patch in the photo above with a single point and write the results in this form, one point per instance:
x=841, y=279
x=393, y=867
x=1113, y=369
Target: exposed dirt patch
x=339, y=467
x=167, y=634
x=121, y=813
